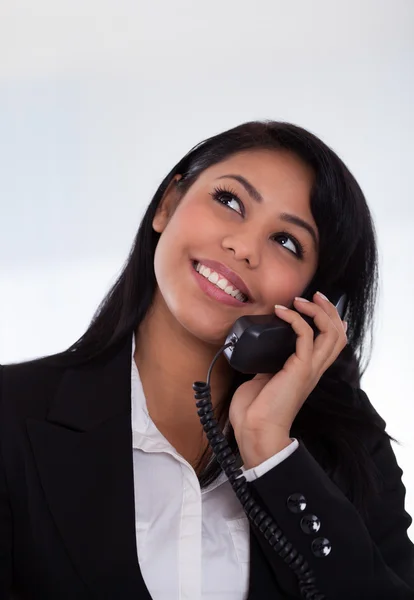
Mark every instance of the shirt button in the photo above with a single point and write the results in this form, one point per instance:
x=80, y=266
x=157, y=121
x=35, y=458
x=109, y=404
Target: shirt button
x=310, y=524
x=321, y=547
x=296, y=503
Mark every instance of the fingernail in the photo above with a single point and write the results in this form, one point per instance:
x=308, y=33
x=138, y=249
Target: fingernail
x=280, y=306
x=345, y=324
x=301, y=299
x=323, y=296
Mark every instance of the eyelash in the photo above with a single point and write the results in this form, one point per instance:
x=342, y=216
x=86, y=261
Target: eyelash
x=221, y=191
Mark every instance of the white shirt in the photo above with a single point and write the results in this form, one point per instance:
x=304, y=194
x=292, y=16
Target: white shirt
x=192, y=544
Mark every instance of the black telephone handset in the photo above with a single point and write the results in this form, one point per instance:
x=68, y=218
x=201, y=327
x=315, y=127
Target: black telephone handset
x=263, y=343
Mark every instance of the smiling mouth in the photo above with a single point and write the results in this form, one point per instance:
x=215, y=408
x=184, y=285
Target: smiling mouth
x=220, y=282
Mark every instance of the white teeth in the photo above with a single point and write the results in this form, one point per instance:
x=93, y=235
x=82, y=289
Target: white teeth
x=214, y=277
x=220, y=282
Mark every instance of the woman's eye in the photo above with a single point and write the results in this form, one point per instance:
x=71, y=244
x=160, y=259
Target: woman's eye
x=229, y=199
x=291, y=244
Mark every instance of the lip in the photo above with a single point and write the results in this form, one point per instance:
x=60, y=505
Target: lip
x=228, y=274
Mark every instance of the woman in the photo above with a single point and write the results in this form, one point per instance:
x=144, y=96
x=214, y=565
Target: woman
x=108, y=485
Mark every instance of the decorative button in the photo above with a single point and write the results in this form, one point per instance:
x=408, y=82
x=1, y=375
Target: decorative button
x=321, y=547
x=310, y=524
x=296, y=503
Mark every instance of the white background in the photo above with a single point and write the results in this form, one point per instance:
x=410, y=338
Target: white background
x=98, y=100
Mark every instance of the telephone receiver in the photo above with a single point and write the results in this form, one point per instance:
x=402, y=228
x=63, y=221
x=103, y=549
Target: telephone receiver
x=263, y=343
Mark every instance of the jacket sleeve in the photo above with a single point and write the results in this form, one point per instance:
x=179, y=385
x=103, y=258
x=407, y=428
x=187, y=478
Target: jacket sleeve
x=5, y=525
x=370, y=559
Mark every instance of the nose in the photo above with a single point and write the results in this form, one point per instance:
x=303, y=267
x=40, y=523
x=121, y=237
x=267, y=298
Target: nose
x=244, y=248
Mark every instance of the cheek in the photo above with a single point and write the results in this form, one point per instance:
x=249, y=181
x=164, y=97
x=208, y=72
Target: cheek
x=284, y=286
x=172, y=256
x=189, y=222
x=190, y=230
x=184, y=302
x=165, y=265
x=192, y=313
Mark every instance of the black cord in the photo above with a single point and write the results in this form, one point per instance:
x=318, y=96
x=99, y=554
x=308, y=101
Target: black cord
x=263, y=522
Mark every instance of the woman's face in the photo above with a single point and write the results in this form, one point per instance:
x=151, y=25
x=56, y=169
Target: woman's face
x=268, y=243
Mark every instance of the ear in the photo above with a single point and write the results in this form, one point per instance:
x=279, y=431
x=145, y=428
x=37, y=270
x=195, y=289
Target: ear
x=167, y=206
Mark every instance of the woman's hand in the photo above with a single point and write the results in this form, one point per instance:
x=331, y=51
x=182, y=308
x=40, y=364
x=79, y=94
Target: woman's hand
x=263, y=409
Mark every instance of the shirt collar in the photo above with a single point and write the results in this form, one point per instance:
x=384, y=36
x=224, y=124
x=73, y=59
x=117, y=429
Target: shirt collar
x=141, y=420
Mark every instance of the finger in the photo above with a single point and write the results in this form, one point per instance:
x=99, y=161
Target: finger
x=340, y=325
x=341, y=341
x=304, y=341
x=327, y=342
x=327, y=306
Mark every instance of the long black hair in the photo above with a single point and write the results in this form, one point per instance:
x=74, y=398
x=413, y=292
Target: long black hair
x=337, y=418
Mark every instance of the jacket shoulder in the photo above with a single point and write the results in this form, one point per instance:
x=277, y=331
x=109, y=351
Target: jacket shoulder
x=27, y=387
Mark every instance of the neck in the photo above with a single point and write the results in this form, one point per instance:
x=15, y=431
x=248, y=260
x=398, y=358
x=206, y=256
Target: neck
x=169, y=360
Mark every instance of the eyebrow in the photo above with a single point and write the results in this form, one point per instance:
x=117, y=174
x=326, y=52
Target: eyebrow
x=287, y=217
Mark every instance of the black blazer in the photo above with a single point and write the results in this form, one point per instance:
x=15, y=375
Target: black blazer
x=67, y=520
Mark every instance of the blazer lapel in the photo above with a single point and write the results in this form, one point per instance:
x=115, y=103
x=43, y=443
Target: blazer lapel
x=83, y=452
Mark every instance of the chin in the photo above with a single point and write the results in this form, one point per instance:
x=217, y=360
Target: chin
x=208, y=323
x=206, y=330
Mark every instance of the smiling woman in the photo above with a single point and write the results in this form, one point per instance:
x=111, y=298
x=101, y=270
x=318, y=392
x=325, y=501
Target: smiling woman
x=107, y=481
x=273, y=260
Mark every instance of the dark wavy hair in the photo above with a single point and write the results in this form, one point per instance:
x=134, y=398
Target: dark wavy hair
x=337, y=419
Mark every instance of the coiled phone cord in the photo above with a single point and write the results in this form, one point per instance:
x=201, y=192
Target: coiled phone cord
x=266, y=525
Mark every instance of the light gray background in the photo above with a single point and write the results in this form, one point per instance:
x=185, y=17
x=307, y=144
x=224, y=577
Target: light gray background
x=98, y=100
